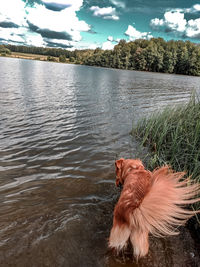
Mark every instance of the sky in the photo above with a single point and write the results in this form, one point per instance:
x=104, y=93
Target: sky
x=83, y=24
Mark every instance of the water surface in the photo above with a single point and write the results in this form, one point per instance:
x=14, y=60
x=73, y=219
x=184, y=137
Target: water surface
x=61, y=129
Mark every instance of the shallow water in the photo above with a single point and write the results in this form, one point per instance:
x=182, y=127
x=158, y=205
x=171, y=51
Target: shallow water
x=61, y=129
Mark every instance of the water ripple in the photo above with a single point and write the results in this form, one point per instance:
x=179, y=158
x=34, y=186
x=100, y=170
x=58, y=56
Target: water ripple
x=61, y=128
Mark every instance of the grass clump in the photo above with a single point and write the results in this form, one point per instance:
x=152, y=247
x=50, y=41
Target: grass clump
x=173, y=136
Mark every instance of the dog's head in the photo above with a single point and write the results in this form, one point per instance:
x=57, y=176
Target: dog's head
x=124, y=166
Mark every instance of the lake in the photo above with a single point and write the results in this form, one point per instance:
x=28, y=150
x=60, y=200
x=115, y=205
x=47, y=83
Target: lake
x=61, y=129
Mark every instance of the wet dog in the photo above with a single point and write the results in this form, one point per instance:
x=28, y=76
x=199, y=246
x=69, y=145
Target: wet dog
x=150, y=202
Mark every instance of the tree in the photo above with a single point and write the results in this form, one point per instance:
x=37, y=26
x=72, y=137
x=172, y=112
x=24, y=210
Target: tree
x=4, y=51
x=49, y=58
x=62, y=58
x=140, y=60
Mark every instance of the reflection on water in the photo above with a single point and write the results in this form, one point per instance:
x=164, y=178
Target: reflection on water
x=62, y=127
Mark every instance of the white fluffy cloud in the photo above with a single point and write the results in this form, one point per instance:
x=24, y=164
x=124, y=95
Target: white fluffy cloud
x=34, y=40
x=172, y=21
x=13, y=15
x=14, y=36
x=193, y=28
x=21, y=36
x=39, y=25
x=108, y=45
x=105, y=12
x=175, y=22
x=193, y=9
x=66, y=22
x=135, y=34
x=110, y=38
x=196, y=8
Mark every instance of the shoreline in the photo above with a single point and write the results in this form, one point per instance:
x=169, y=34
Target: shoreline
x=44, y=58
x=29, y=56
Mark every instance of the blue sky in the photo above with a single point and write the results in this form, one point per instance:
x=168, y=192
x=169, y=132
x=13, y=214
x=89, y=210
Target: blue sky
x=80, y=24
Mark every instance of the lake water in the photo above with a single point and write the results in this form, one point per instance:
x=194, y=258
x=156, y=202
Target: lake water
x=61, y=129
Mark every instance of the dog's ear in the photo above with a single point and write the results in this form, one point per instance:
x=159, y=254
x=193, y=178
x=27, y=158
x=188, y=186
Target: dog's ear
x=118, y=169
x=119, y=163
x=137, y=164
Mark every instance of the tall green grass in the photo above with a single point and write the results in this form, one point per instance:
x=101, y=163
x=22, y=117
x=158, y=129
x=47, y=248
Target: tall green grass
x=173, y=137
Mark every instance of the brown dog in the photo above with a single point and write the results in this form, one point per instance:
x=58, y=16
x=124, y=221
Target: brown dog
x=150, y=202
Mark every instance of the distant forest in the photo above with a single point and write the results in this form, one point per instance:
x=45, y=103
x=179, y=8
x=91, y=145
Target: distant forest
x=155, y=55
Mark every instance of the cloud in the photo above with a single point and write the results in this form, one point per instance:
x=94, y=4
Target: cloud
x=92, y=31
x=104, y=12
x=34, y=39
x=135, y=34
x=193, y=29
x=55, y=7
x=110, y=38
x=196, y=8
x=56, y=43
x=21, y=36
x=41, y=23
x=108, y=45
x=49, y=33
x=85, y=45
x=14, y=15
x=193, y=9
x=62, y=4
x=14, y=36
x=7, y=24
x=92, y=46
x=64, y=24
x=174, y=22
x=118, y=3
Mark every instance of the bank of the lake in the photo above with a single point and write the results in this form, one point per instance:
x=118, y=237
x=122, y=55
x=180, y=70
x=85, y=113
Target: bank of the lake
x=154, y=55
x=32, y=56
x=173, y=137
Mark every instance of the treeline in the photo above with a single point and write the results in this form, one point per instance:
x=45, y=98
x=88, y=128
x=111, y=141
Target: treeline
x=154, y=55
x=76, y=56
x=54, y=52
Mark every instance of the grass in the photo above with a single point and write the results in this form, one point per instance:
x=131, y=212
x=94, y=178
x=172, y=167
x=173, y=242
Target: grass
x=173, y=137
x=28, y=56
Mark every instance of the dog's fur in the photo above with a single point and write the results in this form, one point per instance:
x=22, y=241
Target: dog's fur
x=150, y=202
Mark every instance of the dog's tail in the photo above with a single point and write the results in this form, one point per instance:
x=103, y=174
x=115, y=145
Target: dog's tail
x=164, y=206
x=119, y=236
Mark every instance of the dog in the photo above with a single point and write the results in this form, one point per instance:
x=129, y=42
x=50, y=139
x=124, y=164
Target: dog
x=150, y=202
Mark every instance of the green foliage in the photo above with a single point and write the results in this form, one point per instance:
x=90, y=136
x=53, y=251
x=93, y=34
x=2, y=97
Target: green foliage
x=154, y=55
x=147, y=55
x=54, y=52
x=72, y=59
x=62, y=58
x=49, y=58
x=4, y=51
x=173, y=136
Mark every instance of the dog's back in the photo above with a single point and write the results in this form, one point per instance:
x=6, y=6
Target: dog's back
x=137, y=184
